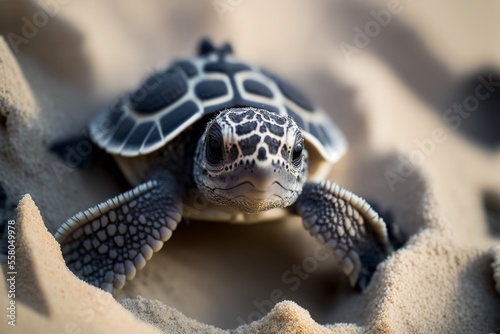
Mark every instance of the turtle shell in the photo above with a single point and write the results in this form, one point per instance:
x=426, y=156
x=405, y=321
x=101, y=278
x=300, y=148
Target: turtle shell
x=168, y=102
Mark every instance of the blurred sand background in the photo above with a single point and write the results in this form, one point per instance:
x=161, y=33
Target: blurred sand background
x=388, y=99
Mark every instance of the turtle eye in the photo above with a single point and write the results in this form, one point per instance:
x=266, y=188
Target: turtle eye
x=298, y=147
x=215, y=146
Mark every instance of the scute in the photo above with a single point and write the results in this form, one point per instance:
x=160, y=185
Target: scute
x=116, y=114
x=255, y=87
x=291, y=92
x=171, y=121
x=137, y=136
x=153, y=138
x=324, y=132
x=157, y=92
x=187, y=67
x=123, y=131
x=170, y=101
x=210, y=89
x=225, y=67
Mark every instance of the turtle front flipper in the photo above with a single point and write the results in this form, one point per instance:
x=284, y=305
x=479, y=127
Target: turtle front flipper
x=106, y=245
x=348, y=225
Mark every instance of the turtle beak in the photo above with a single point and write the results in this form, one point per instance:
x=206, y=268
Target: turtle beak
x=248, y=198
x=255, y=189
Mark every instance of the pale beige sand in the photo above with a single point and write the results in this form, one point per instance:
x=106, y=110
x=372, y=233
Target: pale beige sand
x=442, y=281
x=48, y=296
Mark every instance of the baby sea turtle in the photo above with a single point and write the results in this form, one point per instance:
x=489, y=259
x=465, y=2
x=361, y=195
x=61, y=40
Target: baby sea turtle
x=213, y=138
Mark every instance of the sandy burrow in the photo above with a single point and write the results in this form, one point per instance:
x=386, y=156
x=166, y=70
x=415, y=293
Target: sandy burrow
x=430, y=286
x=50, y=298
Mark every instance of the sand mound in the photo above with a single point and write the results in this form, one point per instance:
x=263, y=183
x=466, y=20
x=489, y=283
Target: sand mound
x=49, y=297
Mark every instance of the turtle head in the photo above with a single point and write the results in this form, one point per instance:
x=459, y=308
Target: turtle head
x=251, y=160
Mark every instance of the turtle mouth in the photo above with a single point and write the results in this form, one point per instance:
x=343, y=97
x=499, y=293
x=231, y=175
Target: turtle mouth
x=248, y=198
x=248, y=189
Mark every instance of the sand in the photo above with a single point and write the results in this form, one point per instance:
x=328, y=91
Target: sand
x=48, y=296
x=495, y=265
x=221, y=277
